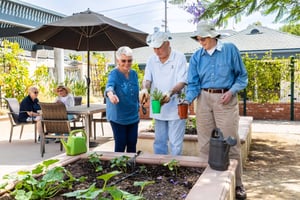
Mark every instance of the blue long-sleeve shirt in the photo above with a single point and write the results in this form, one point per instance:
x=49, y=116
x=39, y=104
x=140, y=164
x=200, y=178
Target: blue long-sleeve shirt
x=127, y=110
x=224, y=69
x=28, y=105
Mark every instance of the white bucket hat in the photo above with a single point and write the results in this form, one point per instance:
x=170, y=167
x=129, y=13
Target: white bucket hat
x=205, y=29
x=156, y=39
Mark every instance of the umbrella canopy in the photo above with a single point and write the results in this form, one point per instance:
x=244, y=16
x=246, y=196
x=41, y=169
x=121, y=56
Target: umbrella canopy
x=87, y=31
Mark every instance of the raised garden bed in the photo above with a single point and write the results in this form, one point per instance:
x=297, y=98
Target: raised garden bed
x=190, y=143
x=220, y=182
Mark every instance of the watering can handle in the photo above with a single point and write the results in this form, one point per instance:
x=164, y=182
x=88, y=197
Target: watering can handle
x=74, y=132
x=216, y=133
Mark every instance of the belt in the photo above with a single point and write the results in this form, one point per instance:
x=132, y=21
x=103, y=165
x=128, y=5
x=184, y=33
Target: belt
x=210, y=90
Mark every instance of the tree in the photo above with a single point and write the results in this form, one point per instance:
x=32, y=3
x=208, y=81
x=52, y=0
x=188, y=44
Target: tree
x=221, y=11
x=14, y=76
x=291, y=28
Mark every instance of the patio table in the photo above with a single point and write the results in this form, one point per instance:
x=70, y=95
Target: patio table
x=87, y=112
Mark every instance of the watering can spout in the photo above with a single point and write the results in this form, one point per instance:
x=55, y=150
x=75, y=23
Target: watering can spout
x=65, y=145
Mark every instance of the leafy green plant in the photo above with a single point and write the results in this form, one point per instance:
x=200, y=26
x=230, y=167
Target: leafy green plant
x=14, y=74
x=106, y=177
x=117, y=194
x=265, y=77
x=120, y=163
x=139, y=72
x=221, y=11
x=90, y=193
x=156, y=94
x=173, y=165
x=181, y=97
x=53, y=181
x=142, y=184
x=191, y=123
x=94, y=159
x=100, y=73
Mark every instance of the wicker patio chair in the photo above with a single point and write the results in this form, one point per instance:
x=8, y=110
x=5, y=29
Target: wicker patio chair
x=55, y=123
x=13, y=114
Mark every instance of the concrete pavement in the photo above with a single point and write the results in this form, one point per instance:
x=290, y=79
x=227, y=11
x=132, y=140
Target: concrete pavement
x=24, y=152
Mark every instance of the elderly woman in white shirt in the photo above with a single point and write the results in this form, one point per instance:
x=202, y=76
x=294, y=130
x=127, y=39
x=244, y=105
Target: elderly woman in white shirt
x=64, y=96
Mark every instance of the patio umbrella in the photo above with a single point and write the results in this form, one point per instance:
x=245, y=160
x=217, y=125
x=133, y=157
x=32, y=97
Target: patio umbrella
x=87, y=31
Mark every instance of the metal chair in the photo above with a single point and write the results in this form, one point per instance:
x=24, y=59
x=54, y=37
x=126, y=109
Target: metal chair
x=13, y=114
x=55, y=123
x=101, y=120
x=78, y=118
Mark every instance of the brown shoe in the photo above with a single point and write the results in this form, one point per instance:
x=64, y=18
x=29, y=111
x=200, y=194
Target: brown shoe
x=240, y=192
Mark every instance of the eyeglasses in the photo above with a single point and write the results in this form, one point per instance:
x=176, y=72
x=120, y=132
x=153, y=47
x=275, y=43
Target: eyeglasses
x=201, y=39
x=36, y=92
x=60, y=90
x=128, y=61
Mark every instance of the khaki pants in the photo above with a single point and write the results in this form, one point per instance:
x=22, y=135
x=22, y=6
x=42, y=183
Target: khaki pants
x=212, y=114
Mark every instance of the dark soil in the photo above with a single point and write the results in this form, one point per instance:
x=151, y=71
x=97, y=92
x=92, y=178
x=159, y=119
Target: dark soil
x=188, y=131
x=167, y=186
x=190, y=128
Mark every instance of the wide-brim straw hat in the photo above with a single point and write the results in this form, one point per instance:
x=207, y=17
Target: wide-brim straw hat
x=205, y=29
x=62, y=87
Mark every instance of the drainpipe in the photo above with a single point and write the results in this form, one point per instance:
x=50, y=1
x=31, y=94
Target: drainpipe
x=292, y=66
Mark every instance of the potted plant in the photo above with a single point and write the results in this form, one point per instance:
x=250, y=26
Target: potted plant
x=182, y=107
x=157, y=96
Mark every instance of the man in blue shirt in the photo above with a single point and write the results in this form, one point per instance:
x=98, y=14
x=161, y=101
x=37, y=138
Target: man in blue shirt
x=216, y=74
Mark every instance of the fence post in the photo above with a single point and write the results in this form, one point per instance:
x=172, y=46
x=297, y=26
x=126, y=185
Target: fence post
x=245, y=102
x=292, y=67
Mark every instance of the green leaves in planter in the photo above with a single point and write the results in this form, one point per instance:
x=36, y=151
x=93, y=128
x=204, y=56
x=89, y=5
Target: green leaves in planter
x=156, y=94
x=29, y=186
x=90, y=193
x=173, y=165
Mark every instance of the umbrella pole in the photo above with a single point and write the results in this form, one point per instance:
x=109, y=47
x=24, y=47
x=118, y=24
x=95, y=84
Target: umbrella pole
x=88, y=79
x=88, y=73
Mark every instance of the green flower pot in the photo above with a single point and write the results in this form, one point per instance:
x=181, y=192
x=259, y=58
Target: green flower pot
x=155, y=106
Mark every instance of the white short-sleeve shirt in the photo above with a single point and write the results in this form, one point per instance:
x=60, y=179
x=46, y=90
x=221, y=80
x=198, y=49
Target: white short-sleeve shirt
x=164, y=76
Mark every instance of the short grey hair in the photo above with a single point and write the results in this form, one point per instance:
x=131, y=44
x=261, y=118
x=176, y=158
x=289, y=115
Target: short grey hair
x=32, y=89
x=123, y=51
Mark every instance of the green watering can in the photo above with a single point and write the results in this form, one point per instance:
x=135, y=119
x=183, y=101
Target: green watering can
x=76, y=144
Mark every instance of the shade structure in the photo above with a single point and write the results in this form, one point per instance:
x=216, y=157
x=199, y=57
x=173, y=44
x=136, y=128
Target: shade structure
x=87, y=31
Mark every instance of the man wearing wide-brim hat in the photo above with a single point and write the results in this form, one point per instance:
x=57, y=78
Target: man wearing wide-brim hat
x=216, y=74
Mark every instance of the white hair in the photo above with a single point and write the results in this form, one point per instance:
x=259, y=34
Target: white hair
x=123, y=51
x=32, y=89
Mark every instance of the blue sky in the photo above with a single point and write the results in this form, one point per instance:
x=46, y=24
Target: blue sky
x=142, y=14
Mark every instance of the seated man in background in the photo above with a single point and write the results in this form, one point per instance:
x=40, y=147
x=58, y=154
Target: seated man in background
x=29, y=108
